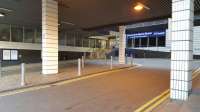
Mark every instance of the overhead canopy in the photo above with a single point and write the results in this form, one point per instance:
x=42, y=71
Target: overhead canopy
x=88, y=13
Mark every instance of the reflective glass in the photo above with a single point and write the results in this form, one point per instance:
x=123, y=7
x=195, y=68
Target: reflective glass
x=4, y=32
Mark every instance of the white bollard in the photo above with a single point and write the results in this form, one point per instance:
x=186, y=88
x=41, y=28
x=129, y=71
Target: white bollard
x=79, y=66
x=126, y=59
x=132, y=62
x=23, y=74
x=83, y=62
x=106, y=60
x=111, y=62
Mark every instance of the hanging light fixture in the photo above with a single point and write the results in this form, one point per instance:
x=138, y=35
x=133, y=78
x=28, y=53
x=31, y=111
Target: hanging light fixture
x=2, y=14
x=140, y=6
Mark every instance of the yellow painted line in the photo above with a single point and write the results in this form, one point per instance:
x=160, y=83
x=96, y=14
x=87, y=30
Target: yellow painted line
x=89, y=76
x=23, y=90
x=155, y=102
x=9, y=93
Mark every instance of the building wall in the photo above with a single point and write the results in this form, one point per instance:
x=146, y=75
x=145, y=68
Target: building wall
x=167, y=48
x=34, y=56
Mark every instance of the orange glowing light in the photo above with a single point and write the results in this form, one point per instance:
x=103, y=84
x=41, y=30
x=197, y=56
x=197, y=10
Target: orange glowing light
x=139, y=7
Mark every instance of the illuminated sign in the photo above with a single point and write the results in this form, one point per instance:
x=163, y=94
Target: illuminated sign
x=146, y=34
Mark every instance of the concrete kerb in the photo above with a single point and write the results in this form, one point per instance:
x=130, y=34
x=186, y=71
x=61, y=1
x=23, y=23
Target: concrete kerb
x=49, y=84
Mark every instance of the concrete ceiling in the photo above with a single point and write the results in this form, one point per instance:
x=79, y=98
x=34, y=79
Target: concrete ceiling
x=88, y=13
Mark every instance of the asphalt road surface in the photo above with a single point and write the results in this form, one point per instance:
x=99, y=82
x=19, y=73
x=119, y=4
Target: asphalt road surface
x=122, y=91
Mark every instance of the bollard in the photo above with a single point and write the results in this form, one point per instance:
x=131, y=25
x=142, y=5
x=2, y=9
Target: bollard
x=0, y=68
x=23, y=74
x=132, y=60
x=126, y=59
x=106, y=60
x=79, y=66
x=83, y=62
x=111, y=62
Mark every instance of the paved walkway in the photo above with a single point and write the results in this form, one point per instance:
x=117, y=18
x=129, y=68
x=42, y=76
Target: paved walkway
x=10, y=78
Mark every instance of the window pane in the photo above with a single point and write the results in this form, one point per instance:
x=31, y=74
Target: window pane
x=137, y=42
x=61, y=38
x=38, y=38
x=17, y=34
x=129, y=43
x=28, y=35
x=152, y=42
x=143, y=42
x=161, y=41
x=4, y=32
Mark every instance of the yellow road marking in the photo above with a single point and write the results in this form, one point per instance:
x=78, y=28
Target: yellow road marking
x=152, y=104
x=156, y=104
x=87, y=77
x=154, y=100
x=59, y=83
x=9, y=93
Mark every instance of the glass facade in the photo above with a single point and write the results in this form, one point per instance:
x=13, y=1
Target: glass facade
x=15, y=33
x=4, y=32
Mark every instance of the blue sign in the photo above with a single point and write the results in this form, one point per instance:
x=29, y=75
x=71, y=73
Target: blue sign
x=146, y=34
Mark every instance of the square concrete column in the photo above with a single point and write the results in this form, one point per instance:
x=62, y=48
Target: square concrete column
x=122, y=44
x=181, y=49
x=49, y=37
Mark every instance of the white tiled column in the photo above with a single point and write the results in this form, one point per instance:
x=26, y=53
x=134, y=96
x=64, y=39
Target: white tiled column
x=49, y=37
x=122, y=44
x=181, y=49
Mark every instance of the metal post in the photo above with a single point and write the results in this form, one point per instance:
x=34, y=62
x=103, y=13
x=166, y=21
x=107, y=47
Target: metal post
x=111, y=62
x=23, y=31
x=140, y=42
x=89, y=44
x=23, y=74
x=10, y=29
x=0, y=68
x=156, y=42
x=106, y=59
x=74, y=41
x=131, y=59
x=83, y=62
x=82, y=43
x=79, y=66
x=126, y=57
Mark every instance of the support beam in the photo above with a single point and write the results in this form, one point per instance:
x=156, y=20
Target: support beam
x=49, y=37
x=122, y=44
x=181, y=50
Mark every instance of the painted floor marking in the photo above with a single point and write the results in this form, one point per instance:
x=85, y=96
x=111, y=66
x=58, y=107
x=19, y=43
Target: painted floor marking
x=152, y=104
x=23, y=90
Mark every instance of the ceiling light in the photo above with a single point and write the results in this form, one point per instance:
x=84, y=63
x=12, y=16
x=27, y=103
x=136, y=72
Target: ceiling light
x=5, y=9
x=2, y=15
x=138, y=7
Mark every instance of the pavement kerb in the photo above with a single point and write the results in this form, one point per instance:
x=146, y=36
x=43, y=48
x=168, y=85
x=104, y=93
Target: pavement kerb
x=54, y=83
x=155, y=102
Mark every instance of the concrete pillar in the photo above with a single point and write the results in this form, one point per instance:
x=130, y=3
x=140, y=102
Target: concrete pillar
x=122, y=44
x=49, y=37
x=181, y=50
